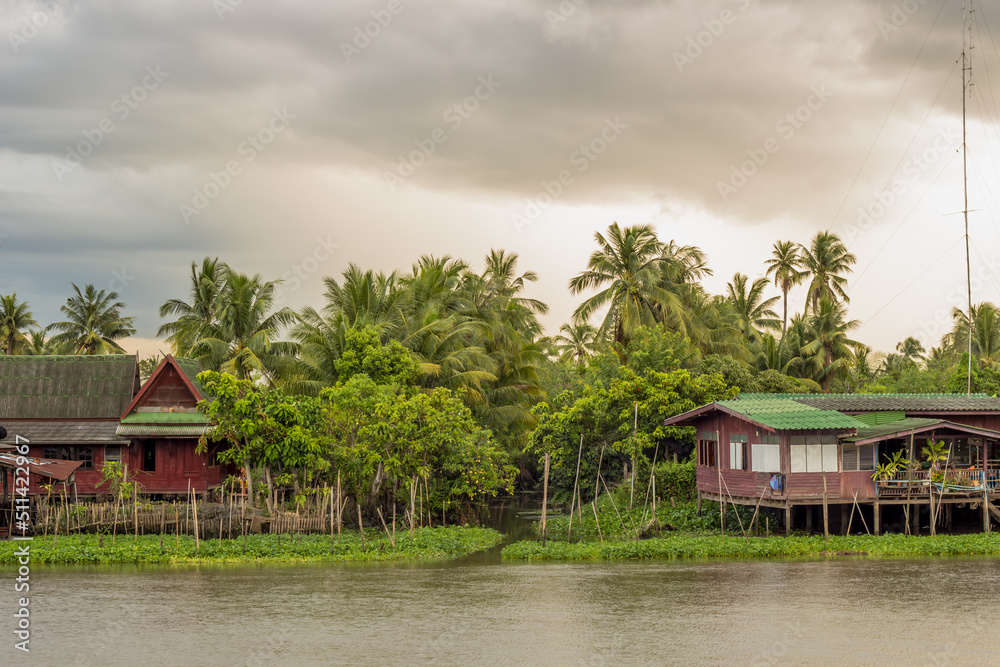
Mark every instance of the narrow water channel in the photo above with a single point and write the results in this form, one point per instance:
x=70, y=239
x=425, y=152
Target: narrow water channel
x=481, y=611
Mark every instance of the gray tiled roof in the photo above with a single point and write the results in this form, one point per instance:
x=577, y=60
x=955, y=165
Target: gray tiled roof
x=63, y=432
x=66, y=386
x=885, y=402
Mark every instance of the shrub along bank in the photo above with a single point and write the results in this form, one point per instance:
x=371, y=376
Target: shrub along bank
x=678, y=546
x=426, y=543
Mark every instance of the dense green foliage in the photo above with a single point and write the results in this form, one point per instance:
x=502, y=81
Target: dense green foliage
x=715, y=546
x=380, y=440
x=425, y=543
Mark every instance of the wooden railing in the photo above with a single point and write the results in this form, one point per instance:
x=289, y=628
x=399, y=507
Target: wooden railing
x=918, y=482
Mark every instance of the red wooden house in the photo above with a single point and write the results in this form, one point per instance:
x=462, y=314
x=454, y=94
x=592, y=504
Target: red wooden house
x=802, y=453
x=164, y=427
x=68, y=407
x=92, y=410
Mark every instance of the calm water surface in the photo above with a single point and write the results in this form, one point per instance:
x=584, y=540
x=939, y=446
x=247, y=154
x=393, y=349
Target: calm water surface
x=480, y=611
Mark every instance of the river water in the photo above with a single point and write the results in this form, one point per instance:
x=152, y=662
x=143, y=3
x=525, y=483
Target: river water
x=479, y=611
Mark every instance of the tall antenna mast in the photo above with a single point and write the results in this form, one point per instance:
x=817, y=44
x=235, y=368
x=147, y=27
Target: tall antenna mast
x=965, y=187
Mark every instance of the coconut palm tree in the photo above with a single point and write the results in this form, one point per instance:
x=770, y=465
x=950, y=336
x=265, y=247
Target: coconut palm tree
x=825, y=263
x=576, y=342
x=829, y=352
x=785, y=266
x=985, y=332
x=628, y=264
x=753, y=311
x=14, y=318
x=94, y=323
x=200, y=312
x=244, y=338
x=365, y=298
x=911, y=349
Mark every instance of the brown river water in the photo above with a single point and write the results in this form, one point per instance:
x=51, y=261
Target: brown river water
x=480, y=611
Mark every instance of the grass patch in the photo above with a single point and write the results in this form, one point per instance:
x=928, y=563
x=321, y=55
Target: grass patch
x=679, y=546
x=426, y=543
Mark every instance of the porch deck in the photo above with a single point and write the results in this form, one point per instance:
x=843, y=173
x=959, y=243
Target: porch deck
x=962, y=482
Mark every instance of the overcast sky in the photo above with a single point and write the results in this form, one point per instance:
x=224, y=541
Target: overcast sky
x=138, y=136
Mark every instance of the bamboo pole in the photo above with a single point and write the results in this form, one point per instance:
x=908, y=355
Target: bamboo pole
x=613, y=505
x=340, y=508
x=593, y=504
x=545, y=497
x=194, y=506
x=392, y=540
x=331, y=514
x=576, y=489
x=746, y=537
x=361, y=528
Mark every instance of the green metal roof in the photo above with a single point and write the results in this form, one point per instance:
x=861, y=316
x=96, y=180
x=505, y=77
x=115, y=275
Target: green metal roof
x=908, y=424
x=877, y=418
x=165, y=418
x=785, y=414
x=67, y=386
x=161, y=430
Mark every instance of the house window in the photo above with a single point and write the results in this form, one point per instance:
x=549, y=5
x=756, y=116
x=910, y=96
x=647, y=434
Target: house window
x=86, y=456
x=766, y=456
x=706, y=450
x=149, y=456
x=813, y=453
x=858, y=457
x=113, y=454
x=738, y=452
x=82, y=454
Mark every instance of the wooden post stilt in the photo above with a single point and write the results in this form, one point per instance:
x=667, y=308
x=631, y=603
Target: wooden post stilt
x=826, y=513
x=876, y=510
x=788, y=519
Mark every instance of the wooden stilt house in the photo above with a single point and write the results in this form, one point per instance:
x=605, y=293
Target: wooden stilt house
x=805, y=453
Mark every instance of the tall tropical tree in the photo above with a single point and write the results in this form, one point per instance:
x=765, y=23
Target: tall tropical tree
x=825, y=264
x=753, y=311
x=199, y=312
x=985, y=332
x=94, y=322
x=15, y=317
x=244, y=338
x=627, y=264
x=576, y=342
x=911, y=349
x=830, y=352
x=785, y=267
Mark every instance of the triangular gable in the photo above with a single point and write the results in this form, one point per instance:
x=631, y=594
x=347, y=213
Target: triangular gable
x=170, y=386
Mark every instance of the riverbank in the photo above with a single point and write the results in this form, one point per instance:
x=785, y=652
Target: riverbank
x=425, y=544
x=679, y=546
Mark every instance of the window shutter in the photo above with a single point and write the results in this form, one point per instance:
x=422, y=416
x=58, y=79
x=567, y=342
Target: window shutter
x=814, y=458
x=798, y=458
x=829, y=458
x=866, y=456
x=850, y=458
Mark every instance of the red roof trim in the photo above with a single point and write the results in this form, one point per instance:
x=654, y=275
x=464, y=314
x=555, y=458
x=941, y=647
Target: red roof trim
x=714, y=407
x=168, y=360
